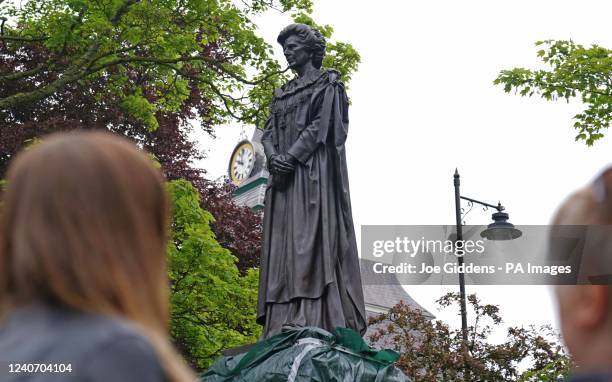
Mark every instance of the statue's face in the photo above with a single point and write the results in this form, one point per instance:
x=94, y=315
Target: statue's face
x=296, y=52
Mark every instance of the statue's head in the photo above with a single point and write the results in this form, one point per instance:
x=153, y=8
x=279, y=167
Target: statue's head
x=302, y=43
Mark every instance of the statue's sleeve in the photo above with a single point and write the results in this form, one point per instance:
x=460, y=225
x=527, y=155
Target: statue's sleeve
x=267, y=138
x=330, y=110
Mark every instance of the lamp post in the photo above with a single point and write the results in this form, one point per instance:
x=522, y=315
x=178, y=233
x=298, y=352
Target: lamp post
x=500, y=229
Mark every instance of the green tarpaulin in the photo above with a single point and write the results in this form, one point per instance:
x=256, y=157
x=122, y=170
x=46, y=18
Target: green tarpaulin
x=309, y=354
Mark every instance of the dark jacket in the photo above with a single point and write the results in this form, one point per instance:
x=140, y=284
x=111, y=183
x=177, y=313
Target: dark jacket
x=95, y=347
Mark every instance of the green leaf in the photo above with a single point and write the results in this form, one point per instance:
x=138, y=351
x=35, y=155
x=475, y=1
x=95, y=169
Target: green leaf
x=141, y=109
x=575, y=71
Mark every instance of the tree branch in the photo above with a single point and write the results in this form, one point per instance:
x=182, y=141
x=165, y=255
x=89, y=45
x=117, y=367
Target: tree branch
x=20, y=75
x=224, y=97
x=118, y=51
x=74, y=73
x=122, y=11
x=156, y=60
x=164, y=61
x=244, y=80
x=22, y=39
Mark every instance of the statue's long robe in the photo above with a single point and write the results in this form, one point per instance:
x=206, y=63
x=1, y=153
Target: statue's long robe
x=309, y=274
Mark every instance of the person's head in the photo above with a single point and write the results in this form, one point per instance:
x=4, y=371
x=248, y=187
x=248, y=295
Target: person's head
x=302, y=44
x=84, y=226
x=585, y=311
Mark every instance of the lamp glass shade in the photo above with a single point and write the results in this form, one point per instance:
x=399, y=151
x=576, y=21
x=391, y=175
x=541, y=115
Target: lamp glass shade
x=501, y=229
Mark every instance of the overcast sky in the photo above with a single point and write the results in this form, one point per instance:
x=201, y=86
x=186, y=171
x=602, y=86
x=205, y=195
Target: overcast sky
x=423, y=103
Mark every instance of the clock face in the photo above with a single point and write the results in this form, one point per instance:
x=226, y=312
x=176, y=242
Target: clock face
x=242, y=162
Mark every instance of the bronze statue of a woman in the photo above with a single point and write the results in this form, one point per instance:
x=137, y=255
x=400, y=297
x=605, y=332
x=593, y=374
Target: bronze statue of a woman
x=309, y=273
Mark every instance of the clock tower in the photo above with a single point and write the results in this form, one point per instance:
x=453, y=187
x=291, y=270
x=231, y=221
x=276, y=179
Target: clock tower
x=247, y=170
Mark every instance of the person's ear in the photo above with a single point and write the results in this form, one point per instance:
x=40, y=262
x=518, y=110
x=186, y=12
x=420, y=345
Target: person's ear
x=592, y=303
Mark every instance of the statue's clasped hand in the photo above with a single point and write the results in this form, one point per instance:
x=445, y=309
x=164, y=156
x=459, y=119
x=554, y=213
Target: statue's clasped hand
x=282, y=164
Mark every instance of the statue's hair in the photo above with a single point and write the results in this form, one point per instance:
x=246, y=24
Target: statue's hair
x=312, y=38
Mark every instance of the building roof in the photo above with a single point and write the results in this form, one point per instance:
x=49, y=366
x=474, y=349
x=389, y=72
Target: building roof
x=381, y=291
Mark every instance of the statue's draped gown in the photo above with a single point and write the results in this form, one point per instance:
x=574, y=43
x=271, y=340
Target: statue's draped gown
x=309, y=274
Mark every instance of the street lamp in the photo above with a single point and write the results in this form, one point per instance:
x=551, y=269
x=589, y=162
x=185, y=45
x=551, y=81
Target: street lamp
x=500, y=229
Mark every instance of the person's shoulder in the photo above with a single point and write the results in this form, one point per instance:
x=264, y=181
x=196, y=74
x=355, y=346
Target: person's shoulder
x=89, y=342
x=128, y=356
x=48, y=326
x=119, y=351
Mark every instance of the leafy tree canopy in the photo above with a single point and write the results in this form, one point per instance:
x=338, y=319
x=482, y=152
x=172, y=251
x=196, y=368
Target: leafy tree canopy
x=432, y=351
x=177, y=45
x=213, y=306
x=575, y=71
